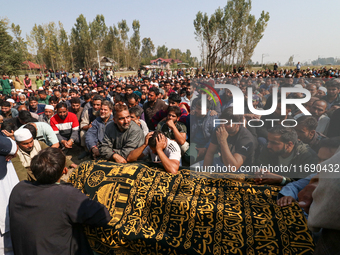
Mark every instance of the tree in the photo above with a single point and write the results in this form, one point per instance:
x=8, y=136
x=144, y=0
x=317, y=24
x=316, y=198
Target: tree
x=20, y=46
x=98, y=31
x=81, y=43
x=230, y=34
x=147, y=49
x=162, y=52
x=123, y=30
x=10, y=51
x=65, y=52
x=134, y=45
x=290, y=61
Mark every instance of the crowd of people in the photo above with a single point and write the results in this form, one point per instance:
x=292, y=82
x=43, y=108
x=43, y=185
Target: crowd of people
x=158, y=116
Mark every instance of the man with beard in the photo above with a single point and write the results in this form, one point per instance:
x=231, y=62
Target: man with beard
x=88, y=116
x=188, y=95
x=306, y=130
x=121, y=136
x=28, y=148
x=167, y=88
x=96, y=133
x=7, y=112
x=318, y=111
x=152, y=106
x=34, y=106
x=333, y=96
x=173, y=129
x=47, y=115
x=75, y=107
x=284, y=149
x=66, y=126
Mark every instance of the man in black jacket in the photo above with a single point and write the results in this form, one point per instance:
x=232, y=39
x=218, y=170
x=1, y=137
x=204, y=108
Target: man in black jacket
x=65, y=80
x=47, y=217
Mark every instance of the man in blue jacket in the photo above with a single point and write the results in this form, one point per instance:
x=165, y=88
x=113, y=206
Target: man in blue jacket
x=34, y=106
x=96, y=133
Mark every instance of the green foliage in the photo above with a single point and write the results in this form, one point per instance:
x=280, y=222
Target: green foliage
x=81, y=43
x=162, y=52
x=230, y=35
x=135, y=44
x=11, y=51
x=147, y=49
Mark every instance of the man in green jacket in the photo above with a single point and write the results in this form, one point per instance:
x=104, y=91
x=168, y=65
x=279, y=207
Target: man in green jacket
x=6, y=86
x=39, y=82
x=285, y=159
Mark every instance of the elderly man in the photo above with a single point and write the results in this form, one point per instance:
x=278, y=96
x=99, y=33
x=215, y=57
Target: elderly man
x=47, y=115
x=28, y=148
x=22, y=100
x=121, y=136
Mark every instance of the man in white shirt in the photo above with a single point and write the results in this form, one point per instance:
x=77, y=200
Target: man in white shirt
x=188, y=96
x=8, y=179
x=161, y=149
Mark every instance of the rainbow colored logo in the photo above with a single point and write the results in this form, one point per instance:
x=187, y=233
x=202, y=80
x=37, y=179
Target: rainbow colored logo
x=209, y=93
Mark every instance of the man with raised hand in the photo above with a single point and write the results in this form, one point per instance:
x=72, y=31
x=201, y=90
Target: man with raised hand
x=161, y=149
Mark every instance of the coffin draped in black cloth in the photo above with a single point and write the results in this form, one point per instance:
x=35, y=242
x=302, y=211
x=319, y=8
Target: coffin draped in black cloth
x=154, y=212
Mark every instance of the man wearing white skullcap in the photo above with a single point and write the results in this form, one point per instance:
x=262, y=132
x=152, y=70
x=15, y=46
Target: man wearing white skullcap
x=11, y=101
x=47, y=115
x=28, y=148
x=322, y=91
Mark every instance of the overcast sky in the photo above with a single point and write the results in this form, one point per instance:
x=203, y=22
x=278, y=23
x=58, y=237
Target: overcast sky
x=305, y=29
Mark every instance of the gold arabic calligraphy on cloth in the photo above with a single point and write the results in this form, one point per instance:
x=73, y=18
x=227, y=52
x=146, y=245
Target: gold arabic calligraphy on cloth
x=156, y=212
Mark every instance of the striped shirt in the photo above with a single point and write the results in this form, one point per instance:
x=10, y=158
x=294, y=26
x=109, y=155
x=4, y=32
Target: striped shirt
x=65, y=129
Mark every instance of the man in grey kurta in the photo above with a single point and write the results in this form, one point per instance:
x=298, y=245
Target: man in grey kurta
x=121, y=136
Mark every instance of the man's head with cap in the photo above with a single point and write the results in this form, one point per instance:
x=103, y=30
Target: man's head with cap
x=24, y=139
x=49, y=111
